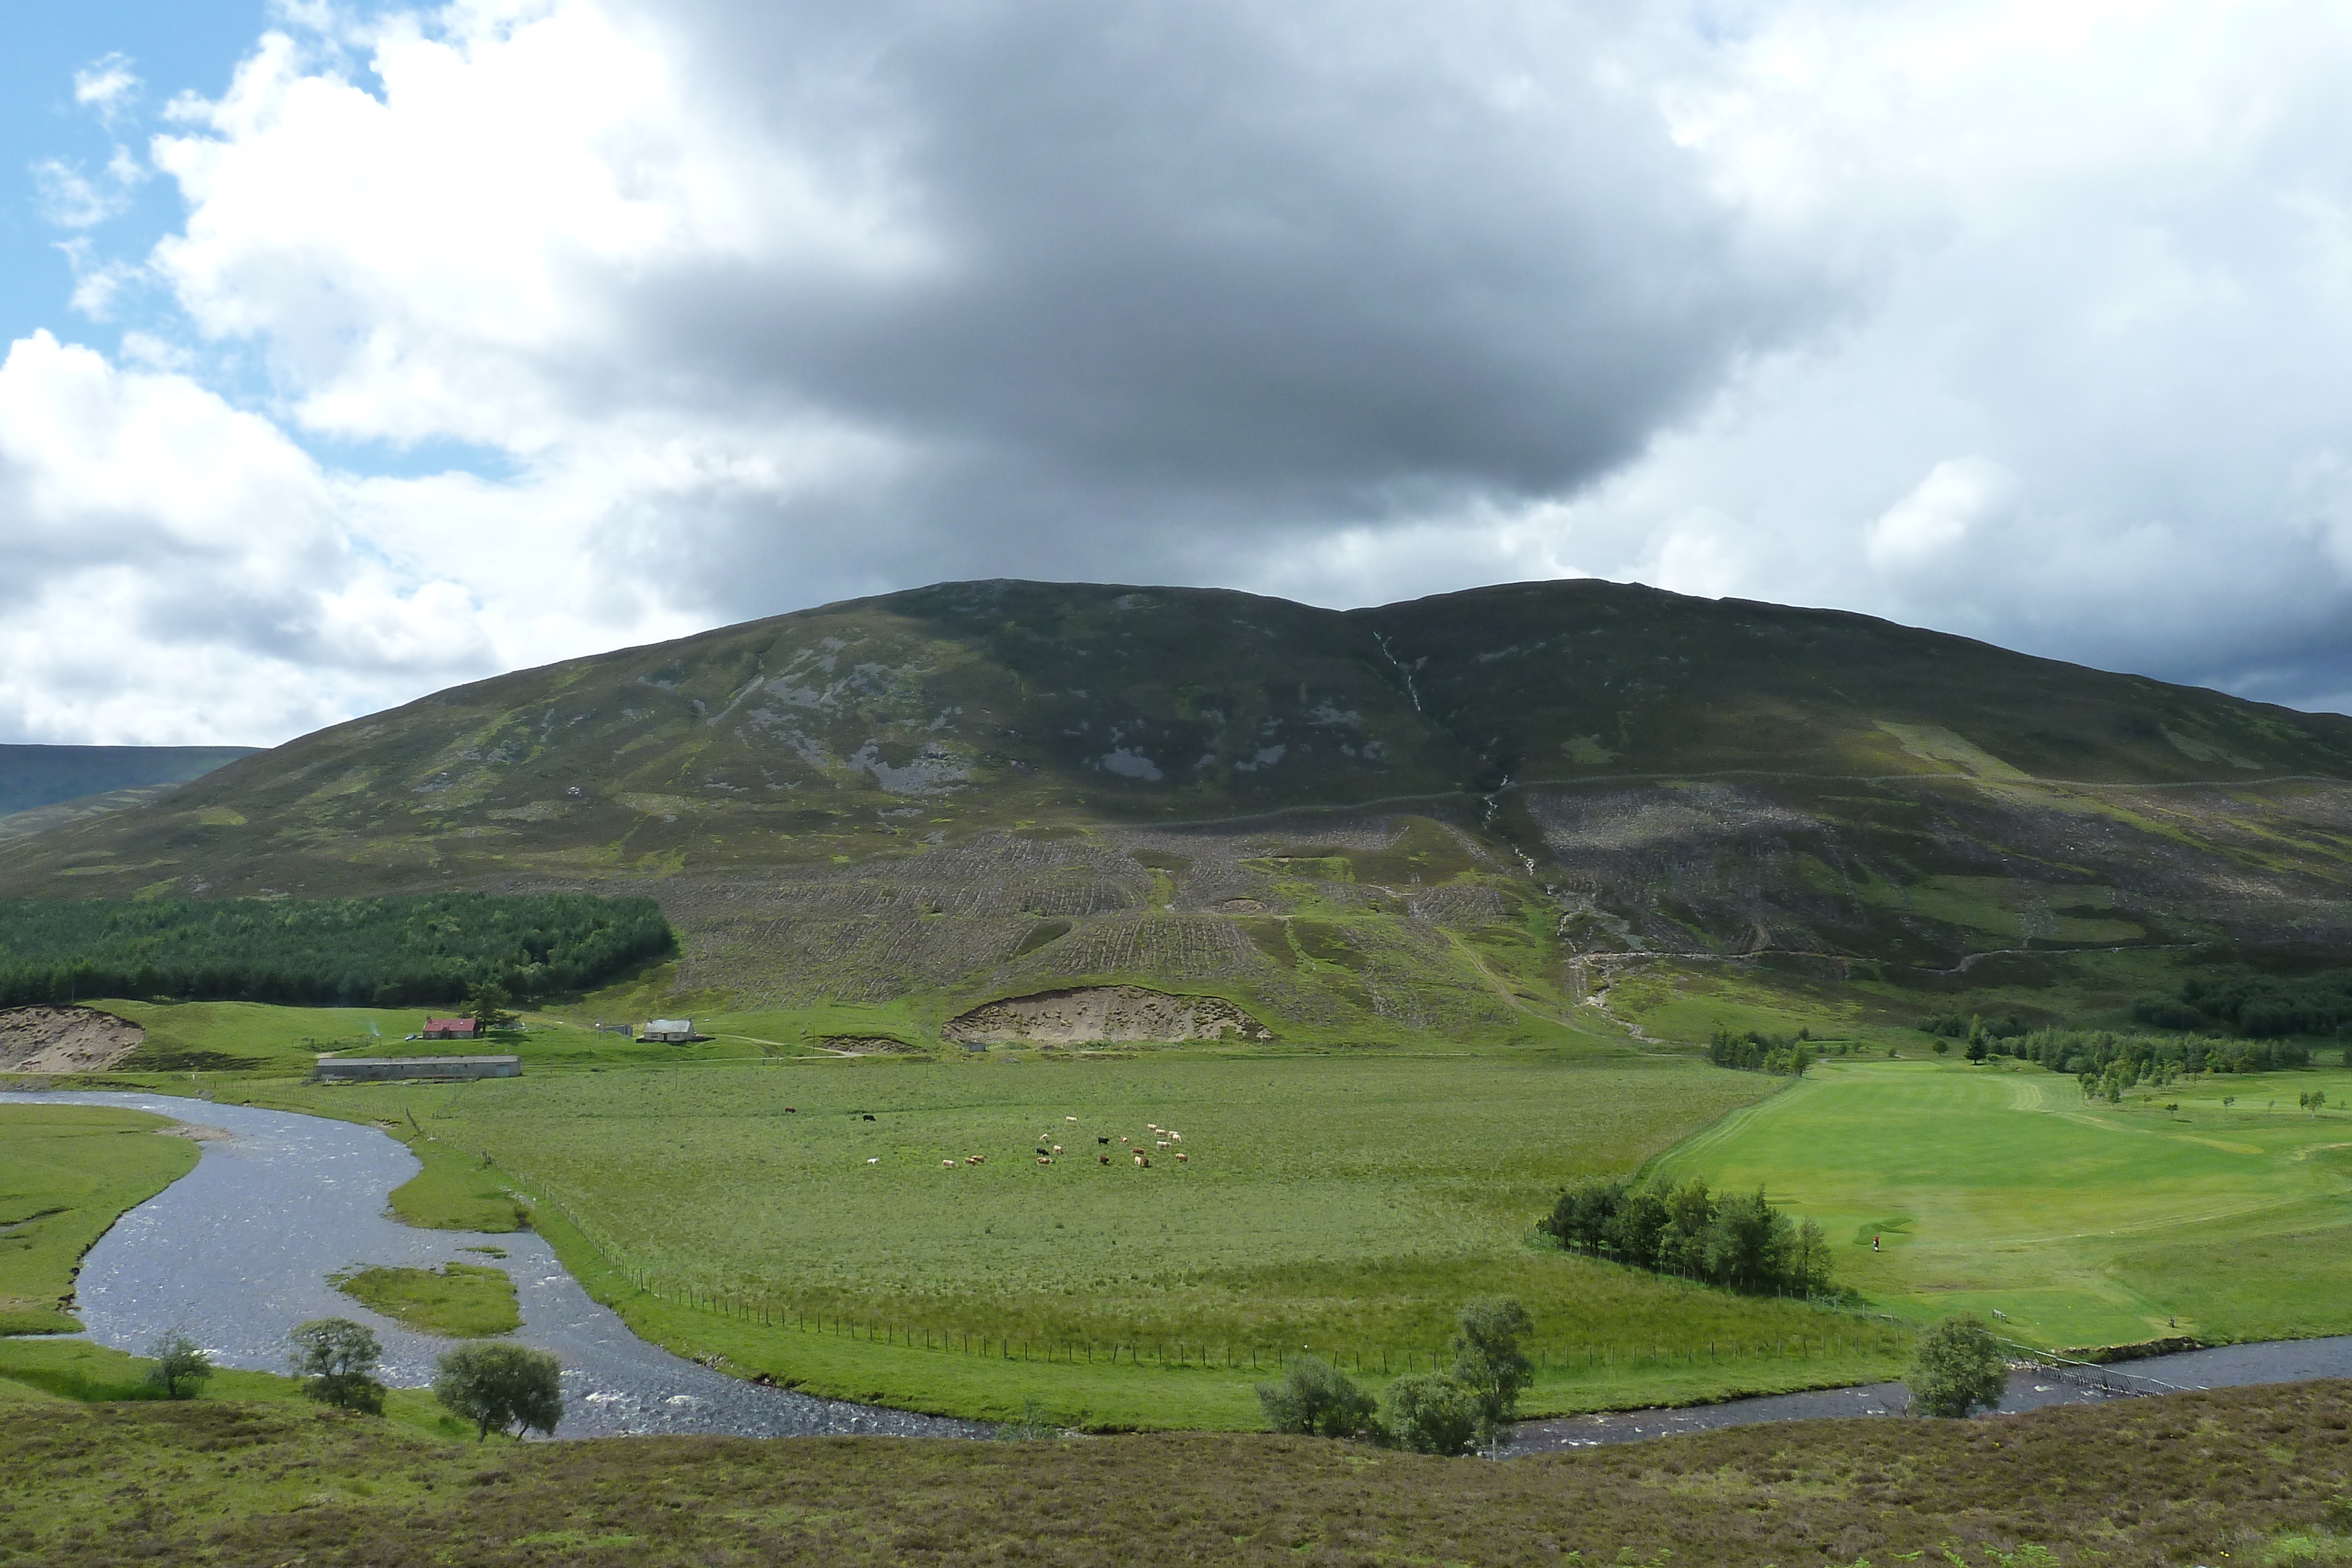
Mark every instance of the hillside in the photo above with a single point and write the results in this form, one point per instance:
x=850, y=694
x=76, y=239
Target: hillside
x=44, y=786
x=34, y=776
x=1453, y=813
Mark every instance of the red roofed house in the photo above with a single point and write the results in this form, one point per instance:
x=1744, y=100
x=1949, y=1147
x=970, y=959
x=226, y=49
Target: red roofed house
x=450, y=1028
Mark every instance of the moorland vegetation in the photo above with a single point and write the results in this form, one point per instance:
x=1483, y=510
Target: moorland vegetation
x=2252, y=1476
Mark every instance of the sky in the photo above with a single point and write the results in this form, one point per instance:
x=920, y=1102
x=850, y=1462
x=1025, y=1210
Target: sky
x=355, y=351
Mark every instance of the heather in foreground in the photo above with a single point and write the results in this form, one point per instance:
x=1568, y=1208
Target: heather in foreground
x=2258, y=1473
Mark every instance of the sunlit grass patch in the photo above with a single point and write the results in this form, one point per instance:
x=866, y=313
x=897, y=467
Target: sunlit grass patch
x=463, y=1300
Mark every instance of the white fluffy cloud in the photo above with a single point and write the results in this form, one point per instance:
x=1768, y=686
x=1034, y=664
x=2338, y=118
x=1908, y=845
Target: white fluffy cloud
x=522, y=328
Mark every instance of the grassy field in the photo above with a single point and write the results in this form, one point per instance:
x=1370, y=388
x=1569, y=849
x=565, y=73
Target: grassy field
x=2247, y=1476
x=1343, y=1202
x=463, y=1300
x=1999, y=1188
x=66, y=1172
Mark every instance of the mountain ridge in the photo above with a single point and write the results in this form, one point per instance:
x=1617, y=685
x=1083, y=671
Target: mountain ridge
x=952, y=792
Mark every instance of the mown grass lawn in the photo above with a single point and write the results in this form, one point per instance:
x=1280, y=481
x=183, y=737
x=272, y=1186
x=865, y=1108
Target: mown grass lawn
x=66, y=1172
x=2001, y=1188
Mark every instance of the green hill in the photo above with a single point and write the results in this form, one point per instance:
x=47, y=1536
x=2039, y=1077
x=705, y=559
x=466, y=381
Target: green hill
x=1460, y=812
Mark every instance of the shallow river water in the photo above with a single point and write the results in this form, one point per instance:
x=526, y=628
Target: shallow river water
x=238, y=1251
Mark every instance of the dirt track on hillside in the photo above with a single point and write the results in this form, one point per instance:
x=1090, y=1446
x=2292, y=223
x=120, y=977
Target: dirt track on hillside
x=65, y=1040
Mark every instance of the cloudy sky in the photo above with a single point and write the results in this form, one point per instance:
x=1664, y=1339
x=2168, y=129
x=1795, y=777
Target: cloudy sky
x=353, y=351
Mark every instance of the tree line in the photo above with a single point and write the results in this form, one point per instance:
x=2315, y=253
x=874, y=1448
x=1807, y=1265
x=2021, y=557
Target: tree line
x=381, y=952
x=2099, y=1054
x=1757, y=1052
x=2261, y=1007
x=1739, y=1241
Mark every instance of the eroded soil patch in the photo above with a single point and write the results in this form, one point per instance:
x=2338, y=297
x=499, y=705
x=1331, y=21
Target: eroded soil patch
x=1107, y=1013
x=64, y=1040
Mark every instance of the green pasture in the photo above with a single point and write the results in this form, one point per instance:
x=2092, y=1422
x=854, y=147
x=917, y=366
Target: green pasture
x=2212, y=1208
x=195, y=1041
x=1343, y=1203
x=65, y=1173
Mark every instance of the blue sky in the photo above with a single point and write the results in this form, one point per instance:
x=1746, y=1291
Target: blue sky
x=422, y=343
x=173, y=47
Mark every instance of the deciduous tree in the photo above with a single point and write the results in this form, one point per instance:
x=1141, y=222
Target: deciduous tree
x=507, y=1386
x=336, y=1360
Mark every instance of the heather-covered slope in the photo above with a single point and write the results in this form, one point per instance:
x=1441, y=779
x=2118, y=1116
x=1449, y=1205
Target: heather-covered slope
x=1444, y=814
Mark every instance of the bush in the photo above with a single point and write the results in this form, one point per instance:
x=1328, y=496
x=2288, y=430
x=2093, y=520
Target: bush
x=1957, y=1369
x=1317, y=1400
x=336, y=1360
x=1429, y=1413
x=1032, y=1427
x=505, y=1386
x=182, y=1366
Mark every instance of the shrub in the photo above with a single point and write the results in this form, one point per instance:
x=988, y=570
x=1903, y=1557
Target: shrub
x=336, y=1360
x=505, y=1386
x=1430, y=1412
x=1957, y=1369
x=1317, y=1400
x=182, y=1366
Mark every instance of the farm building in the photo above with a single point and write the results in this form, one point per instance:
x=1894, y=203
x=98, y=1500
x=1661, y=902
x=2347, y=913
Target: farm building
x=450, y=1028
x=378, y=1068
x=672, y=1031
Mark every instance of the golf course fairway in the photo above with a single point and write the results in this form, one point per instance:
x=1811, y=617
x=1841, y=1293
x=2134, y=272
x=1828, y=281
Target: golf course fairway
x=2213, y=1206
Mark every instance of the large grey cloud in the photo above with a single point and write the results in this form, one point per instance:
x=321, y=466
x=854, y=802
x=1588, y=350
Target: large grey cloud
x=2023, y=322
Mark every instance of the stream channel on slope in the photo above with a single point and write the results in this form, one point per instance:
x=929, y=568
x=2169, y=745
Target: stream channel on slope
x=239, y=1250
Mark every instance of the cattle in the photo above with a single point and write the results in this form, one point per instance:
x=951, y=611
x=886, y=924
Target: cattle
x=1103, y=1141
x=1182, y=1155
x=1161, y=1144
x=975, y=1159
x=791, y=1109
x=1043, y=1150
x=868, y=1116
x=949, y=1164
x=1044, y=1159
x=1175, y=1137
x=1069, y=1118
x=875, y=1161
x=1058, y=1148
x=1143, y=1162
x=1104, y=1158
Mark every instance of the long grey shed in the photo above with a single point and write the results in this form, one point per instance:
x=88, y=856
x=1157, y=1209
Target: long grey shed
x=376, y=1069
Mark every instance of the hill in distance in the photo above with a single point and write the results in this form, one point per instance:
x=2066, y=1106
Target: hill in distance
x=1460, y=813
x=43, y=787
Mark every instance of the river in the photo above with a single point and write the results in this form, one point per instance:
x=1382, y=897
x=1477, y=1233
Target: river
x=239, y=1250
